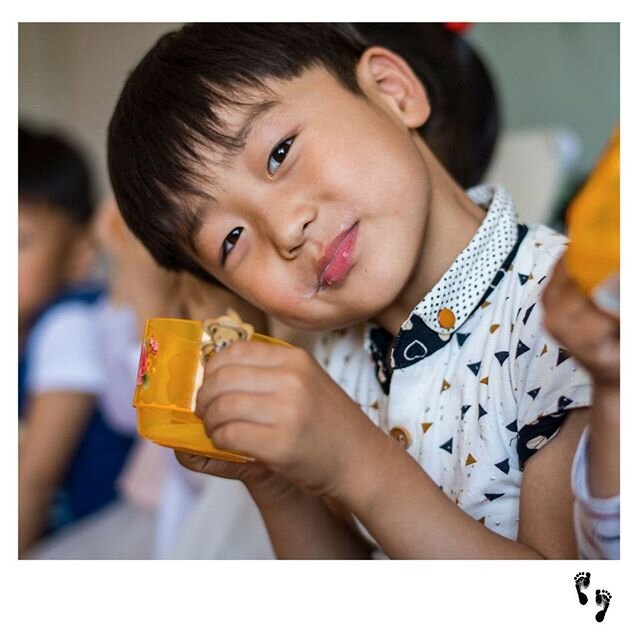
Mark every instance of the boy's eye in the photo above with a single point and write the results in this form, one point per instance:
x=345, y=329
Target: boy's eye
x=277, y=156
x=230, y=242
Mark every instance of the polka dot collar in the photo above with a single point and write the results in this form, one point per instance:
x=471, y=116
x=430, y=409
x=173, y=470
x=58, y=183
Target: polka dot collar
x=458, y=292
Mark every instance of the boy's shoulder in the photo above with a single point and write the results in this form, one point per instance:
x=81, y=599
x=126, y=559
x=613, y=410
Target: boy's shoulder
x=532, y=265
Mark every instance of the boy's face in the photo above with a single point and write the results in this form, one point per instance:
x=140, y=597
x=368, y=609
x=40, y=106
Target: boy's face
x=45, y=242
x=320, y=219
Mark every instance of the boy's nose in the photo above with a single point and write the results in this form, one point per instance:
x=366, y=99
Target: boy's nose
x=291, y=232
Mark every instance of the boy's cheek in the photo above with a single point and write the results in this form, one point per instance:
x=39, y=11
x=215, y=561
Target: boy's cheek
x=276, y=298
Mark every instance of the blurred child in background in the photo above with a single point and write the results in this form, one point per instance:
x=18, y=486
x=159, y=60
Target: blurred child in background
x=156, y=515
x=135, y=288
x=69, y=456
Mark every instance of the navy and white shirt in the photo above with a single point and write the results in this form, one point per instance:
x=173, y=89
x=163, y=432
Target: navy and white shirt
x=472, y=385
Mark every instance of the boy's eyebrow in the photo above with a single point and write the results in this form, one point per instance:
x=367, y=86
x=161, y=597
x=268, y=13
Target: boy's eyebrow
x=256, y=113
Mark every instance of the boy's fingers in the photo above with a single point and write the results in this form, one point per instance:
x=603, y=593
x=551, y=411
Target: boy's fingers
x=233, y=378
x=595, y=325
x=253, y=439
x=258, y=354
x=571, y=316
x=211, y=466
x=237, y=406
x=201, y=464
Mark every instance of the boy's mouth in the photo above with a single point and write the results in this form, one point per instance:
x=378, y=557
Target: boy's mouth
x=336, y=261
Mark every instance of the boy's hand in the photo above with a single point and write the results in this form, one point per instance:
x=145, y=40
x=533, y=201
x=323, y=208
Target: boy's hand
x=278, y=405
x=257, y=477
x=591, y=335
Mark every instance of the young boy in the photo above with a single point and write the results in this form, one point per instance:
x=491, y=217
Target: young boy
x=284, y=161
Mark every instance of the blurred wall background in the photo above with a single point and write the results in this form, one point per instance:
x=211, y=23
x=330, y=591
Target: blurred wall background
x=556, y=74
x=70, y=76
x=548, y=75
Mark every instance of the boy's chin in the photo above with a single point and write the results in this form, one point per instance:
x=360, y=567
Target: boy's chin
x=332, y=323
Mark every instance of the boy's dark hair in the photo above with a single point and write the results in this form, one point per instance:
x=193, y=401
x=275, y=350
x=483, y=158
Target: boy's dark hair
x=167, y=118
x=52, y=171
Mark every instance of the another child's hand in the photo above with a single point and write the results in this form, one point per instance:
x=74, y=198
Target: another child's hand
x=278, y=405
x=591, y=335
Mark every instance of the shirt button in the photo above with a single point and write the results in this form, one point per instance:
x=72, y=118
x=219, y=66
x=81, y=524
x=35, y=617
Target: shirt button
x=446, y=318
x=401, y=435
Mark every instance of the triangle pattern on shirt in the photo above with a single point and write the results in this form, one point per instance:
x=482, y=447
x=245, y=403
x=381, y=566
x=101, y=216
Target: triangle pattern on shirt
x=512, y=426
x=475, y=367
x=493, y=496
x=461, y=337
x=503, y=466
x=563, y=355
x=563, y=402
x=470, y=460
x=426, y=426
x=465, y=408
x=528, y=313
x=523, y=278
x=481, y=411
x=448, y=445
x=522, y=348
x=534, y=392
x=501, y=356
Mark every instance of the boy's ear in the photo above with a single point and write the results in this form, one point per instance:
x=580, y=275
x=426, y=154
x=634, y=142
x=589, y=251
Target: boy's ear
x=385, y=75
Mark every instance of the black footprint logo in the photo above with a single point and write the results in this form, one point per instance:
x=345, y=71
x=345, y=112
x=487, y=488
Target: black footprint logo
x=582, y=580
x=603, y=599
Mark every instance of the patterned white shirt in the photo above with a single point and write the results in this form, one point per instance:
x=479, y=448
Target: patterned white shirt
x=473, y=384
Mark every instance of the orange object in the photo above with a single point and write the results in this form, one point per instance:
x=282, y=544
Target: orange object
x=169, y=376
x=593, y=256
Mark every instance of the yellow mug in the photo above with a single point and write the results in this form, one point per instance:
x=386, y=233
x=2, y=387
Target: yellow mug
x=169, y=376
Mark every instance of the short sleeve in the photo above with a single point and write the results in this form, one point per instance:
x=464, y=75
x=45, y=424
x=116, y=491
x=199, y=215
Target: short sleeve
x=596, y=520
x=63, y=351
x=548, y=381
